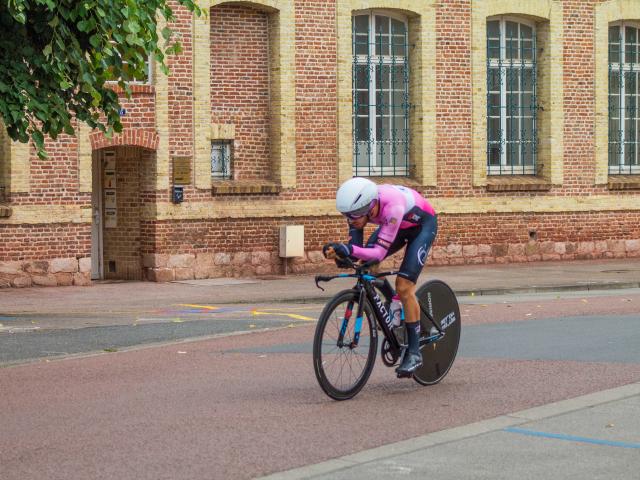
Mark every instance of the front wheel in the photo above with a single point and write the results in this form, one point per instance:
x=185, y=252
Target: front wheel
x=437, y=298
x=344, y=347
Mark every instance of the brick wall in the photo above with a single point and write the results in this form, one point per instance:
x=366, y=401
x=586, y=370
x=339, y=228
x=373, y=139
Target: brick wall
x=453, y=98
x=579, y=111
x=45, y=255
x=240, y=85
x=316, y=107
x=44, y=241
x=181, y=86
x=48, y=237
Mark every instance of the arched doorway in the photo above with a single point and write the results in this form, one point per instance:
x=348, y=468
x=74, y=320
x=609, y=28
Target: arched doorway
x=116, y=203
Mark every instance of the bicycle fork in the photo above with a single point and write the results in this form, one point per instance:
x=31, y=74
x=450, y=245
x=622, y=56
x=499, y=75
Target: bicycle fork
x=357, y=328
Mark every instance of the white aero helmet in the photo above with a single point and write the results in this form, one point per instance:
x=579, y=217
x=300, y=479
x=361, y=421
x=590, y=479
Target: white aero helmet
x=355, y=197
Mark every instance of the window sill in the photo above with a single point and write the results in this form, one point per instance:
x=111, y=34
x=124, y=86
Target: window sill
x=624, y=182
x=240, y=187
x=396, y=180
x=517, y=183
x=5, y=212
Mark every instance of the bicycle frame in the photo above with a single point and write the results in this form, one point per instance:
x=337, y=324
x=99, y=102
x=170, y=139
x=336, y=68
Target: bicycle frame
x=365, y=286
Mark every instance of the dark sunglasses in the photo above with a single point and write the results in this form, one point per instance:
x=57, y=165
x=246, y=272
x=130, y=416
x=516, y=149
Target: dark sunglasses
x=358, y=214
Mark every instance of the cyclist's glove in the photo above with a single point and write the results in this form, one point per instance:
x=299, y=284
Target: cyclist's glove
x=343, y=250
x=342, y=263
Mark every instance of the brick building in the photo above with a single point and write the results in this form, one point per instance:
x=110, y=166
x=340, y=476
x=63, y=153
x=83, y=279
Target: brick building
x=518, y=118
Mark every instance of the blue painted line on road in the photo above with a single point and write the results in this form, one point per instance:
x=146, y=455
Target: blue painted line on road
x=572, y=438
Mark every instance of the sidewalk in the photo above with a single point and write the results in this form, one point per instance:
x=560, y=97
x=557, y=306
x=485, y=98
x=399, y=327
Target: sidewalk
x=592, y=436
x=128, y=297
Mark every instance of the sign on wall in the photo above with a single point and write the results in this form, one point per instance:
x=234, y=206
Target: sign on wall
x=110, y=218
x=110, y=201
x=181, y=170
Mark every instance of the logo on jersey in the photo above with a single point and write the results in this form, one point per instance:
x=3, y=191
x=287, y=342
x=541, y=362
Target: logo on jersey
x=422, y=255
x=393, y=221
x=383, y=243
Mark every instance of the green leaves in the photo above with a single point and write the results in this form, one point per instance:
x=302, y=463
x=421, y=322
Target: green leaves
x=60, y=57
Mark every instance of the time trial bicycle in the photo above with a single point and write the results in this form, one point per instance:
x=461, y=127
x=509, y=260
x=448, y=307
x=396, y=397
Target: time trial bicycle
x=345, y=344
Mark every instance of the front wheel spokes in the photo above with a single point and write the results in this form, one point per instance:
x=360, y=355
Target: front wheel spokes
x=344, y=348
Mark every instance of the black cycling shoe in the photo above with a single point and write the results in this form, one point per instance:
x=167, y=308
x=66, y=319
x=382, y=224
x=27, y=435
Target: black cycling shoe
x=410, y=363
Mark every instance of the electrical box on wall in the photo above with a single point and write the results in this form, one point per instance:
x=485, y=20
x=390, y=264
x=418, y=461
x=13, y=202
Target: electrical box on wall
x=292, y=241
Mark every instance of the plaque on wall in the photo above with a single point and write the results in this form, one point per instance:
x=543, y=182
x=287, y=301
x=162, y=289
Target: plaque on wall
x=182, y=170
x=110, y=199
x=109, y=161
x=109, y=179
x=110, y=218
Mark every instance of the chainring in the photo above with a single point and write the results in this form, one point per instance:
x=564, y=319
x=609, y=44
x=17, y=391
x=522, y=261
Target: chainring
x=389, y=358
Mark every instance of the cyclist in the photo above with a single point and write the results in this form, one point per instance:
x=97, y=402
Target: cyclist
x=404, y=218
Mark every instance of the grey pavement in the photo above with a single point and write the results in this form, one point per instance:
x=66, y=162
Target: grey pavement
x=114, y=298
x=595, y=436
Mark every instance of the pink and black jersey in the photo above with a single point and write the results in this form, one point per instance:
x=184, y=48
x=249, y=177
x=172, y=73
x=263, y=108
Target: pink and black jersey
x=401, y=208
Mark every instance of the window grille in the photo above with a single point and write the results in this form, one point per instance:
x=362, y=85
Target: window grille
x=221, y=155
x=380, y=95
x=624, y=118
x=512, y=136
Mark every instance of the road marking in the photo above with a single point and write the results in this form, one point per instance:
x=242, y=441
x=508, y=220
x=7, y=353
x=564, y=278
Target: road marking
x=204, y=307
x=290, y=315
x=18, y=329
x=572, y=438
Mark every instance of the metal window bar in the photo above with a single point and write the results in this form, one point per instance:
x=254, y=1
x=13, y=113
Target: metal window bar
x=221, y=156
x=624, y=92
x=380, y=96
x=512, y=137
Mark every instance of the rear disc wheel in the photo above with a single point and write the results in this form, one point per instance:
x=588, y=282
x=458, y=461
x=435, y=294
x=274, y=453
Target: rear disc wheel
x=437, y=298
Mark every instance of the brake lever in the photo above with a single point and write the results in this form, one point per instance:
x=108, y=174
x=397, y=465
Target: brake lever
x=321, y=278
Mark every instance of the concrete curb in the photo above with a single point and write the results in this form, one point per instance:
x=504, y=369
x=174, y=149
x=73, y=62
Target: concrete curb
x=460, y=433
x=587, y=286
x=550, y=288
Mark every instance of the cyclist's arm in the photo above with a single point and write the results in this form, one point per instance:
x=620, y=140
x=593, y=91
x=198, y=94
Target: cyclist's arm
x=386, y=236
x=356, y=236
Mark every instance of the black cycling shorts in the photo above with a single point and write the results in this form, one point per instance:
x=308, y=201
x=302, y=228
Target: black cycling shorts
x=418, y=241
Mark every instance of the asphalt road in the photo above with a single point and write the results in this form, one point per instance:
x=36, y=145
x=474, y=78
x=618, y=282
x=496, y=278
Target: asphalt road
x=240, y=406
x=30, y=336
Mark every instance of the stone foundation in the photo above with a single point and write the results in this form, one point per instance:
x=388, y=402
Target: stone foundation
x=164, y=268
x=46, y=273
x=167, y=268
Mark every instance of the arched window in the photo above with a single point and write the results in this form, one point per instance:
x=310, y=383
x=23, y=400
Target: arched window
x=511, y=97
x=380, y=94
x=624, y=89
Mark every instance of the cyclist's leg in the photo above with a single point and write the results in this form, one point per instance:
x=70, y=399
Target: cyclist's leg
x=397, y=244
x=412, y=264
x=414, y=259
